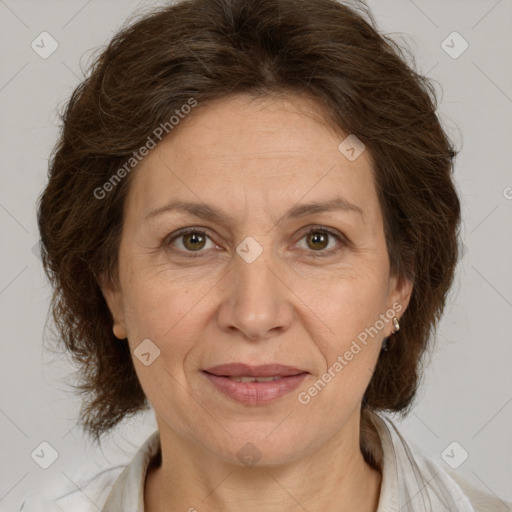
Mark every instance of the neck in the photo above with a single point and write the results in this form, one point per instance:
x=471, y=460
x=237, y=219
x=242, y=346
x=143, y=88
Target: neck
x=331, y=478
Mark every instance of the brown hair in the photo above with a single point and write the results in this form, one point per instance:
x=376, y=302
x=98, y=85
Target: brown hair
x=210, y=49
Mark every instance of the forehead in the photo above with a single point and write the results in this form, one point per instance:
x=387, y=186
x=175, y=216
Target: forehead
x=257, y=151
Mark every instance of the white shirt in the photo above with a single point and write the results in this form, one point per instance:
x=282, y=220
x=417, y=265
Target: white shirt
x=411, y=482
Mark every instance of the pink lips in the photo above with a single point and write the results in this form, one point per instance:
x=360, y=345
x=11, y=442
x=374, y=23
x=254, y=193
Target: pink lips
x=255, y=392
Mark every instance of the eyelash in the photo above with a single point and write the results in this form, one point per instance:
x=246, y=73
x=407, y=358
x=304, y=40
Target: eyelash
x=200, y=254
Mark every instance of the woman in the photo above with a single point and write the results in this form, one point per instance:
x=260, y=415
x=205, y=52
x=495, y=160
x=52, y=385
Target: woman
x=251, y=226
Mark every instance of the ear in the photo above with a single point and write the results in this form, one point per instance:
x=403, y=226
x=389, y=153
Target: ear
x=400, y=291
x=113, y=298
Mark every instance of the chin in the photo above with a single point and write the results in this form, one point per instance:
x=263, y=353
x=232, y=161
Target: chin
x=261, y=447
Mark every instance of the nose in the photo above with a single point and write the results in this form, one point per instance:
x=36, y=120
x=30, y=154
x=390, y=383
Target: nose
x=257, y=301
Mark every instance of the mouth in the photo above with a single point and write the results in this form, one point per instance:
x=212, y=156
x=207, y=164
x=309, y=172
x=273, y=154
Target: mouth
x=272, y=371
x=252, y=379
x=255, y=384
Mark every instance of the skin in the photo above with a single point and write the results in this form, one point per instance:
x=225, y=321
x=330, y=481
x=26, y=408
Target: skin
x=254, y=159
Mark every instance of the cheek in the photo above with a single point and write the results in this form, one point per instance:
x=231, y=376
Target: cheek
x=160, y=308
x=351, y=346
x=163, y=313
x=349, y=305
x=352, y=309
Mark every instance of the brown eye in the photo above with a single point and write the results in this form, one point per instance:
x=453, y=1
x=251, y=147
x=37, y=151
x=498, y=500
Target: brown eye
x=189, y=241
x=194, y=241
x=317, y=240
x=322, y=242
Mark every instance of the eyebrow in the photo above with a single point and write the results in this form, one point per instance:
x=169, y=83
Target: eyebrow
x=207, y=211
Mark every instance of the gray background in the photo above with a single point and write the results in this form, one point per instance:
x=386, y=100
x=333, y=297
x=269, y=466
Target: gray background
x=467, y=391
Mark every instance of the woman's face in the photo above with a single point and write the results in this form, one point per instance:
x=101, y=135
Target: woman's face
x=268, y=282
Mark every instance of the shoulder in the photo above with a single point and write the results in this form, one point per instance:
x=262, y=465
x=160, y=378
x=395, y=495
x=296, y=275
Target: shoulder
x=415, y=481
x=465, y=496
x=480, y=500
x=114, y=489
x=86, y=494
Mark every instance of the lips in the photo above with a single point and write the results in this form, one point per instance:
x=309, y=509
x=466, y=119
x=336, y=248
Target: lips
x=245, y=370
x=255, y=385
x=255, y=393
